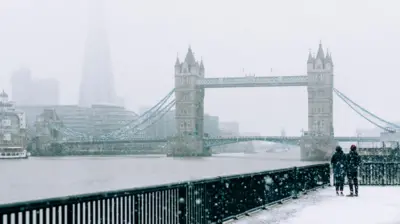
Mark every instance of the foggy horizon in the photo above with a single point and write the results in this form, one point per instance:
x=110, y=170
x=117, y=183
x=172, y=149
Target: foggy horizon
x=145, y=38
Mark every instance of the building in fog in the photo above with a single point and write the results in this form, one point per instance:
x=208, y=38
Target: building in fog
x=211, y=125
x=108, y=118
x=229, y=129
x=27, y=90
x=21, y=81
x=76, y=118
x=95, y=120
x=97, y=83
x=46, y=91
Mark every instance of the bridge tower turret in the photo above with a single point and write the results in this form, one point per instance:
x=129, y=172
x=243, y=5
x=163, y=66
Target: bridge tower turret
x=189, y=111
x=318, y=142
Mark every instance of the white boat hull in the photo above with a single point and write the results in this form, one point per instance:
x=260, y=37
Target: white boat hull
x=15, y=155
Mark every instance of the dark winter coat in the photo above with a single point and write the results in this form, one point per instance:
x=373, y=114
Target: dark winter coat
x=339, y=163
x=353, y=161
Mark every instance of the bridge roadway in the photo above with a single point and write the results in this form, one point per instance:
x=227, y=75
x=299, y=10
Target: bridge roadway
x=253, y=81
x=210, y=142
x=374, y=205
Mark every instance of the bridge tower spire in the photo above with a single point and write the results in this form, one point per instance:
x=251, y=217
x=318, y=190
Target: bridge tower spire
x=189, y=107
x=318, y=142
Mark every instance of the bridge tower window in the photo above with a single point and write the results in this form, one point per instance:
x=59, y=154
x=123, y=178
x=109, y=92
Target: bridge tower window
x=312, y=93
x=315, y=125
x=186, y=124
x=185, y=97
x=185, y=80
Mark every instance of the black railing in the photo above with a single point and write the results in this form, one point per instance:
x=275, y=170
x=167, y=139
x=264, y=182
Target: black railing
x=198, y=202
x=380, y=158
x=379, y=173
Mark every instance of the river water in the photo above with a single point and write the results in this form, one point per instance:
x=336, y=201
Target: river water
x=44, y=177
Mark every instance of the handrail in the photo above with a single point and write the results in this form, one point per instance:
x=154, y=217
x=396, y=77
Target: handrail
x=228, y=196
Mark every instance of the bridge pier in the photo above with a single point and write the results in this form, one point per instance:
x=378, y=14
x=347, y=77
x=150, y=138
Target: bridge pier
x=187, y=146
x=316, y=148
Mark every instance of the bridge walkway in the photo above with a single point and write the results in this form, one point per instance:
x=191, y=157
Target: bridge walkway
x=375, y=205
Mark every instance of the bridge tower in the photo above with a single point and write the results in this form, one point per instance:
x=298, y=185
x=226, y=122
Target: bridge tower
x=318, y=143
x=189, y=113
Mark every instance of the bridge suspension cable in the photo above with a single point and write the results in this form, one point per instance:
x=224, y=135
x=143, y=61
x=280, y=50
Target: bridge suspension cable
x=366, y=111
x=67, y=132
x=147, y=115
x=353, y=106
x=162, y=113
x=129, y=134
x=142, y=118
x=151, y=110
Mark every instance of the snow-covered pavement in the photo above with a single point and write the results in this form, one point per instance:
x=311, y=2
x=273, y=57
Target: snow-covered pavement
x=375, y=205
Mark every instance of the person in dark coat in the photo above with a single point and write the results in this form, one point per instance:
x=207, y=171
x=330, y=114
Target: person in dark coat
x=353, y=162
x=338, y=162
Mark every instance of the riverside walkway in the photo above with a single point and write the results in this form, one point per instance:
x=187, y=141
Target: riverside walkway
x=297, y=195
x=374, y=205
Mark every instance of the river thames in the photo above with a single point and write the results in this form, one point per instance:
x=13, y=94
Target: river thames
x=44, y=177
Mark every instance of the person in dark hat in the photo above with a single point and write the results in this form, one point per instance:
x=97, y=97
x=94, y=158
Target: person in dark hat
x=338, y=162
x=353, y=162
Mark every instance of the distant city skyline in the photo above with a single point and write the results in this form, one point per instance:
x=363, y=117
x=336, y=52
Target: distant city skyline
x=28, y=90
x=144, y=41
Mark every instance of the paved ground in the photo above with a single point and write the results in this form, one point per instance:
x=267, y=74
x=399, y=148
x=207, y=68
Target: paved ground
x=375, y=205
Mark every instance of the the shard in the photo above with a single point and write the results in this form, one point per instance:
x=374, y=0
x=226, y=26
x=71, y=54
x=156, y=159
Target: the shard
x=97, y=84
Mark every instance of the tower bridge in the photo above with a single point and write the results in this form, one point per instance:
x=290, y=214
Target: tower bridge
x=190, y=85
x=188, y=98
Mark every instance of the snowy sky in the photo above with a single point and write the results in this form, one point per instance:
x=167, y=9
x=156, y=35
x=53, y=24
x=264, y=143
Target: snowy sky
x=145, y=36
